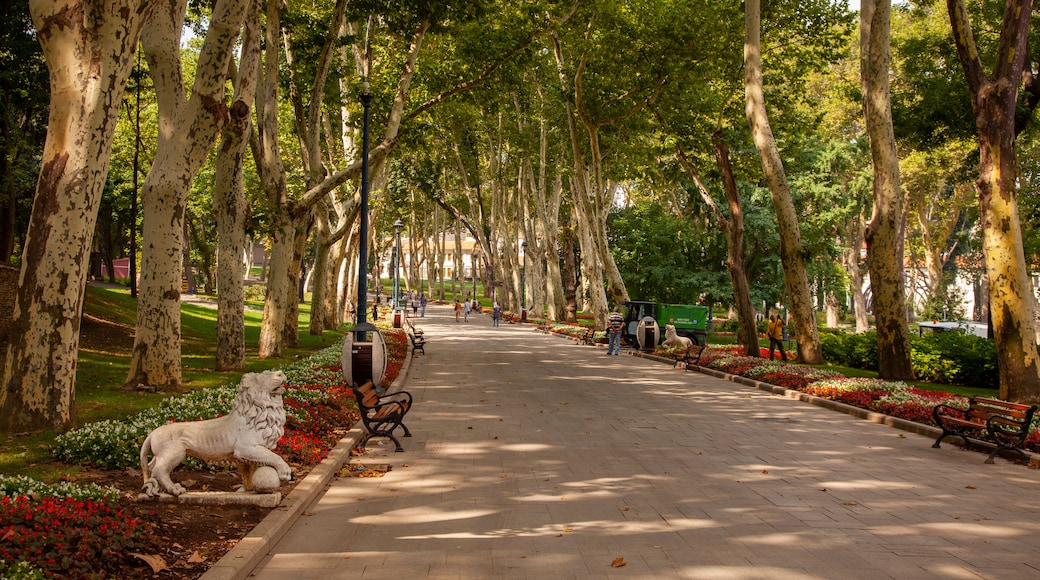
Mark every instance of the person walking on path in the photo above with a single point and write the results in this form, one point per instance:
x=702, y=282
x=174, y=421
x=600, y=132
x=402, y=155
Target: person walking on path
x=775, y=332
x=496, y=313
x=465, y=310
x=614, y=324
x=458, y=309
x=422, y=306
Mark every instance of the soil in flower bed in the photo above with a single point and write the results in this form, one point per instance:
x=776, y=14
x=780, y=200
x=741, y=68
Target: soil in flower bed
x=188, y=538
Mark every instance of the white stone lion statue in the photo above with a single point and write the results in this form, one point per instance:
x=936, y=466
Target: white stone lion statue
x=672, y=338
x=245, y=436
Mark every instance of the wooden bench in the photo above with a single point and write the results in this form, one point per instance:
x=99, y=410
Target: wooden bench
x=382, y=414
x=416, y=337
x=692, y=358
x=586, y=337
x=418, y=342
x=987, y=420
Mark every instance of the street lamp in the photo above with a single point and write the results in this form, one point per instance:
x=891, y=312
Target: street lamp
x=398, y=226
x=523, y=285
x=361, y=357
x=362, y=325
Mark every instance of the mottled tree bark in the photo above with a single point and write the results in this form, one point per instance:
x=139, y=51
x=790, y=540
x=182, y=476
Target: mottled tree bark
x=993, y=98
x=884, y=235
x=89, y=48
x=796, y=281
x=187, y=131
x=230, y=206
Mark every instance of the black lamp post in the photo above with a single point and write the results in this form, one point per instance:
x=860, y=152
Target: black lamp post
x=398, y=226
x=362, y=328
x=523, y=285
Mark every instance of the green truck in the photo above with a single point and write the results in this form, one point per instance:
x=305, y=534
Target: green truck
x=689, y=321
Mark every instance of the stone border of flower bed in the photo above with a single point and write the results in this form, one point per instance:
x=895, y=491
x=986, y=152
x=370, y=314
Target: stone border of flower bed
x=872, y=416
x=242, y=559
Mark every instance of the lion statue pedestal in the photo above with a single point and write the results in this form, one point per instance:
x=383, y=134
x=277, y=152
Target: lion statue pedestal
x=246, y=436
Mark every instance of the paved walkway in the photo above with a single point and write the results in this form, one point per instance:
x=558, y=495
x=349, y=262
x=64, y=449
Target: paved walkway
x=533, y=457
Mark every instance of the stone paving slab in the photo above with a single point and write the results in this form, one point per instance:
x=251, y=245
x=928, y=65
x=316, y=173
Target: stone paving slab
x=535, y=457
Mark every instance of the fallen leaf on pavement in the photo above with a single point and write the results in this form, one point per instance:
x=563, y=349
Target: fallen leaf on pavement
x=617, y=563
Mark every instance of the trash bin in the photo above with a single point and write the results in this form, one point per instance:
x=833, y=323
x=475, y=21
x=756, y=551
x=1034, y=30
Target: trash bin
x=648, y=334
x=523, y=315
x=397, y=318
x=364, y=361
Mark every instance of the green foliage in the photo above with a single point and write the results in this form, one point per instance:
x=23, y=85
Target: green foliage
x=851, y=350
x=254, y=292
x=728, y=325
x=955, y=357
x=663, y=257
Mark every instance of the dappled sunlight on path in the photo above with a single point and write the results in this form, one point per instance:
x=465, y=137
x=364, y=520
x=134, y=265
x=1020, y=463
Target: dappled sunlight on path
x=533, y=456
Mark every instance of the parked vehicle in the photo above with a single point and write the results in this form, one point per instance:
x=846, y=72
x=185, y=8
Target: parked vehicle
x=966, y=326
x=689, y=321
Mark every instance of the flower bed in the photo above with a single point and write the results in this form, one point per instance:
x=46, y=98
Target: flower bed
x=575, y=331
x=893, y=398
x=65, y=530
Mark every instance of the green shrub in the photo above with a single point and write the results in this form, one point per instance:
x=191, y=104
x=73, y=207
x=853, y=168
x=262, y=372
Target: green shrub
x=728, y=325
x=947, y=357
x=966, y=359
x=850, y=350
x=254, y=292
x=933, y=367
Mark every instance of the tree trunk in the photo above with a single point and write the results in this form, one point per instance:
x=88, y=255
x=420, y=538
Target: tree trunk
x=796, y=281
x=747, y=334
x=7, y=195
x=187, y=130
x=278, y=290
x=230, y=206
x=321, y=266
x=555, y=295
x=89, y=48
x=852, y=266
x=994, y=98
x=884, y=235
x=291, y=327
x=570, y=276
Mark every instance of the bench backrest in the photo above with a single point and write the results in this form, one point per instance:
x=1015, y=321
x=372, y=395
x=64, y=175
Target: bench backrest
x=366, y=394
x=982, y=408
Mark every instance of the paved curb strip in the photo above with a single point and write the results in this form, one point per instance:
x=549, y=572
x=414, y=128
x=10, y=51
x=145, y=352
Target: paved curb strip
x=241, y=560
